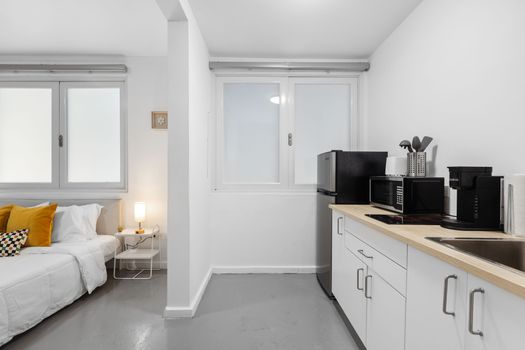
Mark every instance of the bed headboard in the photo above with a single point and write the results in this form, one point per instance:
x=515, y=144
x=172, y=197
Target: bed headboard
x=108, y=222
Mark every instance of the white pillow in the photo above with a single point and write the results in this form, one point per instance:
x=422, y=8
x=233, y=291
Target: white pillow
x=91, y=214
x=69, y=225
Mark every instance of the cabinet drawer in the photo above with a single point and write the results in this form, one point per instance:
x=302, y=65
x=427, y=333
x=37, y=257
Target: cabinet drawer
x=389, y=247
x=389, y=270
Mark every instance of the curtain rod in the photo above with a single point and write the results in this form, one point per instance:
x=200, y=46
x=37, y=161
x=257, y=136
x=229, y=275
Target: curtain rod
x=63, y=68
x=293, y=66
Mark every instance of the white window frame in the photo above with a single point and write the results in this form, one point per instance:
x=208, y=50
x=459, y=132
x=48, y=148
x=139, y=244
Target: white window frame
x=54, y=86
x=59, y=181
x=64, y=183
x=283, y=142
x=352, y=132
x=287, y=121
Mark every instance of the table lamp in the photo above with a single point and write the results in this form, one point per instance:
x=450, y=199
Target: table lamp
x=140, y=215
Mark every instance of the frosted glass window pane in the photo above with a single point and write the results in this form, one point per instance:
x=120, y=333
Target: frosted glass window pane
x=251, y=133
x=25, y=135
x=322, y=123
x=93, y=126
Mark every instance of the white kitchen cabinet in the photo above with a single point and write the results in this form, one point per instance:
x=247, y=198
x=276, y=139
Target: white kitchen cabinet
x=435, y=315
x=497, y=314
x=365, y=282
x=348, y=280
x=390, y=271
x=413, y=301
x=385, y=325
x=337, y=251
x=352, y=300
x=485, y=317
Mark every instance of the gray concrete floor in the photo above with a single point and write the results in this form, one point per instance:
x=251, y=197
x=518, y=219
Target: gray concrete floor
x=242, y=312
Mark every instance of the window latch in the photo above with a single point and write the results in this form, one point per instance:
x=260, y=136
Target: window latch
x=290, y=139
x=60, y=141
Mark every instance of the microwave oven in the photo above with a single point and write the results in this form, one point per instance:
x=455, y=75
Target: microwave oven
x=408, y=195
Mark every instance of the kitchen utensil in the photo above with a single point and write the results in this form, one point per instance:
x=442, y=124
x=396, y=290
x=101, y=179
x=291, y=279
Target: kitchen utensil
x=425, y=142
x=416, y=144
x=396, y=166
x=406, y=145
x=417, y=164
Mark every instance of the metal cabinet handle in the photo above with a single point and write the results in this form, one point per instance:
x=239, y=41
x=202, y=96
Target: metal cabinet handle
x=339, y=220
x=366, y=287
x=359, y=279
x=445, y=295
x=363, y=254
x=471, y=312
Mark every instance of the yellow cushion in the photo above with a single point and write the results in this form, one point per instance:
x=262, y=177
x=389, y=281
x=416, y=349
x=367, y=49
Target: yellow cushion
x=4, y=216
x=38, y=220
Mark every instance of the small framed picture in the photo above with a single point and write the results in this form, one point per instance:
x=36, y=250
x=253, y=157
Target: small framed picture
x=159, y=120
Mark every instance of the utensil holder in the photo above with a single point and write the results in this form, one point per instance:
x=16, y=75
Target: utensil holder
x=417, y=164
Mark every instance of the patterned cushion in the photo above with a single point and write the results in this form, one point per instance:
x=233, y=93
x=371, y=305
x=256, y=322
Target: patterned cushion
x=12, y=242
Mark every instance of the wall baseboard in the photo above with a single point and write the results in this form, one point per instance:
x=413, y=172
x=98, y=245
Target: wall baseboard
x=171, y=312
x=263, y=269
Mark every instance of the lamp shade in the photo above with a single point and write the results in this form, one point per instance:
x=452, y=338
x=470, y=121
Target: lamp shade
x=140, y=211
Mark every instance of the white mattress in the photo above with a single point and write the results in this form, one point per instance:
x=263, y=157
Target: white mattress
x=35, y=286
x=108, y=244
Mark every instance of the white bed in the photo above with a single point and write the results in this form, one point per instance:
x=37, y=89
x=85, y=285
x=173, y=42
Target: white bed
x=108, y=244
x=41, y=281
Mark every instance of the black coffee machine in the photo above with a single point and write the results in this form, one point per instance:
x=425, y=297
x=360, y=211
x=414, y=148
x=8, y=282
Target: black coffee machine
x=478, y=199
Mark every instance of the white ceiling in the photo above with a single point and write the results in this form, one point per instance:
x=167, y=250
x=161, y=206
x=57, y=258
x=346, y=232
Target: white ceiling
x=298, y=28
x=231, y=28
x=101, y=27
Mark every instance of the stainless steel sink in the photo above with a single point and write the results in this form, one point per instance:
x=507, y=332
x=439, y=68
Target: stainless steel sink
x=508, y=252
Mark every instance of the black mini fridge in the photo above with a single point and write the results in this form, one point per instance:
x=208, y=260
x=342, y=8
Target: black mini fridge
x=342, y=178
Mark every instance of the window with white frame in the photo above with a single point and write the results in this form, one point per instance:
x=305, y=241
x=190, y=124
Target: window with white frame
x=62, y=135
x=271, y=129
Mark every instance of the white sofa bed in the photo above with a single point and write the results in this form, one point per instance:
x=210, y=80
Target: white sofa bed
x=42, y=280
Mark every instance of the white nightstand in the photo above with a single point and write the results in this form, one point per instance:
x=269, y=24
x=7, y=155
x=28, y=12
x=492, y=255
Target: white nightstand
x=136, y=253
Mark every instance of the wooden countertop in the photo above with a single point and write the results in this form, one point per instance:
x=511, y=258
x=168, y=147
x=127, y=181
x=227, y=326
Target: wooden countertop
x=414, y=236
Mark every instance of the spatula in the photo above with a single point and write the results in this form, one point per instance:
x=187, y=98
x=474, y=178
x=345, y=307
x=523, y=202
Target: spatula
x=425, y=142
x=416, y=143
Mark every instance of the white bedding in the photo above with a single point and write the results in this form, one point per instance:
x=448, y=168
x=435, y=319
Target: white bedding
x=42, y=280
x=108, y=244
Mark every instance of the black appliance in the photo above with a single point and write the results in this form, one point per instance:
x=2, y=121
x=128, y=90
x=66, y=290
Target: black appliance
x=342, y=178
x=478, y=199
x=423, y=219
x=408, y=195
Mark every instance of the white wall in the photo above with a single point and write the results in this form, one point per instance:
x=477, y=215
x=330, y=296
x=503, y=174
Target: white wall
x=178, y=298
x=189, y=188
x=199, y=107
x=454, y=70
x=147, y=147
x=263, y=232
